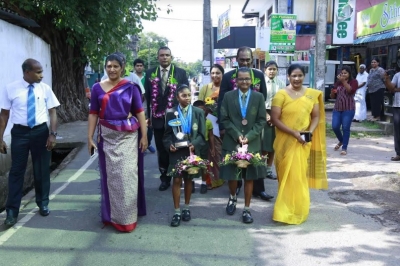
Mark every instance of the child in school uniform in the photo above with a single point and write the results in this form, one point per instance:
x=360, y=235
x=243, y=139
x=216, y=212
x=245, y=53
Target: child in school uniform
x=193, y=128
x=243, y=117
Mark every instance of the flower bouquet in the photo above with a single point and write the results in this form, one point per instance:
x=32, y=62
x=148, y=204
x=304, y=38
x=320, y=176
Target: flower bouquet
x=192, y=164
x=211, y=104
x=242, y=158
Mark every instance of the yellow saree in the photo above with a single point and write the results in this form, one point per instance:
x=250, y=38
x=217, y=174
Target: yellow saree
x=299, y=167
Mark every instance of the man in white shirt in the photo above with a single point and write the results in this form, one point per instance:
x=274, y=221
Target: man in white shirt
x=394, y=87
x=359, y=96
x=29, y=99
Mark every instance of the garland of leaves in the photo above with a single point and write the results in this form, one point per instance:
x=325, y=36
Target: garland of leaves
x=255, y=82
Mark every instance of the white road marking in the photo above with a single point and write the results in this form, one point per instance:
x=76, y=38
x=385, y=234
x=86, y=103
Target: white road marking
x=29, y=215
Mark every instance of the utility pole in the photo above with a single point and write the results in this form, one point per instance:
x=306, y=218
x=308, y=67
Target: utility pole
x=282, y=9
x=320, y=45
x=207, y=33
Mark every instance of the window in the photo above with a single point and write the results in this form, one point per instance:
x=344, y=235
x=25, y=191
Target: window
x=262, y=22
x=290, y=6
x=305, y=29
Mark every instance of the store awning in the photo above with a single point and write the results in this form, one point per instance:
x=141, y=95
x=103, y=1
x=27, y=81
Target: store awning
x=378, y=37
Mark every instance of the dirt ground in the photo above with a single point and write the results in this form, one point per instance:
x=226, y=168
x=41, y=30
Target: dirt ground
x=366, y=180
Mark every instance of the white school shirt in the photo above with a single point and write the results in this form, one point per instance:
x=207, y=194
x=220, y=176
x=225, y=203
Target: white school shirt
x=396, y=99
x=14, y=97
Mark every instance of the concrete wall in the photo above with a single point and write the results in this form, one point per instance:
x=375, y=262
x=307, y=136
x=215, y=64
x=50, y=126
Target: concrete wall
x=16, y=45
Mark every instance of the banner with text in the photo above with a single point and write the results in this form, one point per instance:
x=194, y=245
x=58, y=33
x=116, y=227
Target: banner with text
x=343, y=21
x=379, y=18
x=283, y=34
x=223, y=29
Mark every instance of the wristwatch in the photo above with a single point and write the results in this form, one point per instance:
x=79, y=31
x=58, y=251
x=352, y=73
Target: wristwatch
x=54, y=133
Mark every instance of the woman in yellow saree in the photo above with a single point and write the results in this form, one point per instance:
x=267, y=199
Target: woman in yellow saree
x=300, y=149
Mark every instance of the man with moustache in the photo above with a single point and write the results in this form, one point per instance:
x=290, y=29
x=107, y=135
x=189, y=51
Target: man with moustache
x=244, y=57
x=160, y=86
x=29, y=100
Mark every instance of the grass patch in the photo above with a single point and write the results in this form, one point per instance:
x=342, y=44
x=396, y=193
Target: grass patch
x=369, y=124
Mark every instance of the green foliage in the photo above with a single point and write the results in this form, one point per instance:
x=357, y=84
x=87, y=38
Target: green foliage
x=148, y=48
x=98, y=27
x=192, y=69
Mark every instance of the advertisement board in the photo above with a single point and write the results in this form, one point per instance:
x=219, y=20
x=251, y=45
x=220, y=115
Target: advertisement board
x=224, y=29
x=379, y=18
x=343, y=21
x=283, y=34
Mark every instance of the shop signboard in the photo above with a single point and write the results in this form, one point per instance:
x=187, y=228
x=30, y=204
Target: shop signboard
x=224, y=29
x=283, y=34
x=380, y=18
x=343, y=21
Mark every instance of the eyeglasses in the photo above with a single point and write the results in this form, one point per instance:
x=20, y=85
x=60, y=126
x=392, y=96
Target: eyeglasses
x=243, y=79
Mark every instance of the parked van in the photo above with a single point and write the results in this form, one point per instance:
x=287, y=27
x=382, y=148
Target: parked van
x=332, y=69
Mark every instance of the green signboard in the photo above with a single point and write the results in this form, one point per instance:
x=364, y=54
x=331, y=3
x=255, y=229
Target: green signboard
x=379, y=18
x=283, y=34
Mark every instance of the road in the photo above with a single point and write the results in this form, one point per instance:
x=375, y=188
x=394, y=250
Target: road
x=336, y=233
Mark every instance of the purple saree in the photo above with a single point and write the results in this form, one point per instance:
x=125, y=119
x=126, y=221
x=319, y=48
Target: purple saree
x=120, y=160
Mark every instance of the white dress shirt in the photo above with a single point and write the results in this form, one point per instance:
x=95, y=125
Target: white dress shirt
x=15, y=98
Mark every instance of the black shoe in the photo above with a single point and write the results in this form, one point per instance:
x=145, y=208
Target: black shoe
x=176, y=220
x=263, y=196
x=239, y=186
x=44, y=211
x=203, y=189
x=246, y=217
x=270, y=175
x=231, y=206
x=11, y=218
x=186, y=216
x=193, y=187
x=164, y=186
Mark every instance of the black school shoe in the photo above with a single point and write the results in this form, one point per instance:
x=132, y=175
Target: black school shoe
x=246, y=217
x=186, y=216
x=176, y=220
x=203, y=189
x=231, y=206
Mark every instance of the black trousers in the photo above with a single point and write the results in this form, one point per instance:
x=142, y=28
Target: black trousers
x=23, y=141
x=162, y=154
x=377, y=104
x=396, y=129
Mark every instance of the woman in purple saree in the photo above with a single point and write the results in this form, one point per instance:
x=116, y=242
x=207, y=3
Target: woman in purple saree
x=116, y=108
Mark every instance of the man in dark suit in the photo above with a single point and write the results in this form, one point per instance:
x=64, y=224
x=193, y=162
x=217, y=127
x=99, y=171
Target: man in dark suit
x=244, y=57
x=161, y=83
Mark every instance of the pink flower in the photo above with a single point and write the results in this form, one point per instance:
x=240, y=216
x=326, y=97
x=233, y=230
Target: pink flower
x=156, y=79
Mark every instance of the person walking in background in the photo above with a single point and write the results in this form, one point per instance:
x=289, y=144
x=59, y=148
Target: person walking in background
x=116, y=106
x=376, y=90
x=29, y=100
x=138, y=64
x=244, y=57
x=344, y=109
x=273, y=85
x=394, y=87
x=193, y=126
x=212, y=89
x=243, y=117
x=161, y=84
x=359, y=97
x=300, y=152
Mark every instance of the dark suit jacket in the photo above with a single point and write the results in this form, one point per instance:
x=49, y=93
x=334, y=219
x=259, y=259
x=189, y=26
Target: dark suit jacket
x=231, y=119
x=197, y=135
x=162, y=100
x=226, y=85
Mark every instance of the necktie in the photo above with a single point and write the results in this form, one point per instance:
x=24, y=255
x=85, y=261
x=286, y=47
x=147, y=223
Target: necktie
x=184, y=111
x=31, y=114
x=164, y=79
x=243, y=99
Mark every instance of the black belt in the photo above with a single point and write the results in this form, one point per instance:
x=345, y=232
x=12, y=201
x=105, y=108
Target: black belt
x=27, y=127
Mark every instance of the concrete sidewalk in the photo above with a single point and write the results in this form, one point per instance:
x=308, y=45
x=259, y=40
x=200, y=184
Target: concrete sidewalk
x=73, y=234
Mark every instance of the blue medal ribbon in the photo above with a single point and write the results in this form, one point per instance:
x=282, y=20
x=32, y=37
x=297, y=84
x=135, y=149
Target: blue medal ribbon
x=186, y=121
x=243, y=109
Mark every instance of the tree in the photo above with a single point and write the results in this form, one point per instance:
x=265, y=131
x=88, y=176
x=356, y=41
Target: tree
x=80, y=32
x=149, y=44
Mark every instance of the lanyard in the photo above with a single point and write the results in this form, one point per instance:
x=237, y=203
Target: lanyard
x=186, y=121
x=243, y=109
